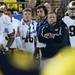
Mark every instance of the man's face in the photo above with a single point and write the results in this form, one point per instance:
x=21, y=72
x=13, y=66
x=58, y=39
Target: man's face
x=72, y=14
x=52, y=18
x=8, y=13
x=40, y=13
x=27, y=16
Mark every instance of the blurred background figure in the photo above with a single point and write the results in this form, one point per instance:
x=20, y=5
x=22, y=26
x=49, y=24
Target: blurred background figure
x=62, y=64
x=64, y=4
x=33, y=5
x=60, y=13
x=48, y=6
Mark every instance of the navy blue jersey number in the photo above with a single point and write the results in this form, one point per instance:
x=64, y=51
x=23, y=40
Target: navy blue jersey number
x=29, y=39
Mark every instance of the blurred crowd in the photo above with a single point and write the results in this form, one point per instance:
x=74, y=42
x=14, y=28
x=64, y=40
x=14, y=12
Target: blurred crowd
x=33, y=37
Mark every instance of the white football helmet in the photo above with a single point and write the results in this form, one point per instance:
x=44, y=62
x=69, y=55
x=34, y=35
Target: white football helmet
x=71, y=9
x=71, y=5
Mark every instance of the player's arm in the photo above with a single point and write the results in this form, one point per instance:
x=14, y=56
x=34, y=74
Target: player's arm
x=10, y=39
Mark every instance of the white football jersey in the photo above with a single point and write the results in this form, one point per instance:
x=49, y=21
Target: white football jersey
x=5, y=21
x=71, y=26
x=28, y=35
x=13, y=27
x=2, y=40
